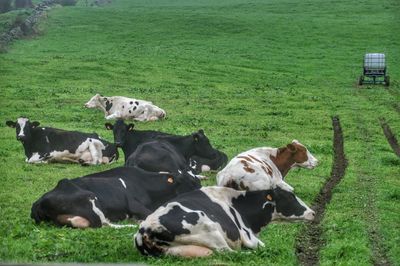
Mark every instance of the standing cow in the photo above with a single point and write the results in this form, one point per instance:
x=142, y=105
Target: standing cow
x=215, y=218
x=260, y=168
x=128, y=138
x=119, y=107
x=46, y=144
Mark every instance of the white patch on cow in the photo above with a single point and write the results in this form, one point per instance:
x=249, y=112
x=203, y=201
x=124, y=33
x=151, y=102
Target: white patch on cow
x=104, y=220
x=43, y=128
x=47, y=139
x=35, y=158
x=122, y=181
x=205, y=168
x=165, y=173
x=268, y=202
x=22, y=123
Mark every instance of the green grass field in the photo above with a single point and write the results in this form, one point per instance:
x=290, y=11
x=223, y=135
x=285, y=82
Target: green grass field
x=250, y=73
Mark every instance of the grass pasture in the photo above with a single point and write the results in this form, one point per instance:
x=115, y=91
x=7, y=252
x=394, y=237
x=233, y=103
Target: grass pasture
x=250, y=73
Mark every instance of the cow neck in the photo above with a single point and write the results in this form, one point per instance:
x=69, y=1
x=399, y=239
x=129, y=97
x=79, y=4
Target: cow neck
x=257, y=216
x=283, y=160
x=184, y=145
x=103, y=106
x=29, y=145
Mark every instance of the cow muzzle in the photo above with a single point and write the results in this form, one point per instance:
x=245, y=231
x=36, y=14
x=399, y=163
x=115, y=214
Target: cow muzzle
x=309, y=215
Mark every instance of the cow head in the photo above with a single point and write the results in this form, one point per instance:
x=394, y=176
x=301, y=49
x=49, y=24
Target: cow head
x=93, y=102
x=23, y=128
x=202, y=145
x=288, y=206
x=120, y=131
x=185, y=182
x=301, y=155
x=64, y=203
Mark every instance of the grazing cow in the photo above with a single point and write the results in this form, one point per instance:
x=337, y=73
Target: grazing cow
x=115, y=107
x=171, y=153
x=215, y=218
x=45, y=144
x=260, y=168
x=127, y=138
x=113, y=195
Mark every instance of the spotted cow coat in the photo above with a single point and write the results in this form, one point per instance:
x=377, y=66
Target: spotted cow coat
x=119, y=107
x=261, y=168
x=214, y=218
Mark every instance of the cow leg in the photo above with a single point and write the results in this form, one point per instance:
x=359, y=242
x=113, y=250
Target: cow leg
x=113, y=116
x=189, y=251
x=73, y=221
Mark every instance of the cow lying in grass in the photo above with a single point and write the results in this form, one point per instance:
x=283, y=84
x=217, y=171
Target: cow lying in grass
x=171, y=153
x=119, y=107
x=129, y=139
x=260, y=168
x=46, y=144
x=114, y=195
x=215, y=218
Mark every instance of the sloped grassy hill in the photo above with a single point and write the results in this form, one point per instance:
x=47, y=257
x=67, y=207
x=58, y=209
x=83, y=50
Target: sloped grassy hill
x=250, y=73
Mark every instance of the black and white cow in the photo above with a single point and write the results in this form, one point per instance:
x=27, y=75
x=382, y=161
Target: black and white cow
x=46, y=144
x=119, y=107
x=110, y=196
x=215, y=218
x=171, y=153
x=127, y=138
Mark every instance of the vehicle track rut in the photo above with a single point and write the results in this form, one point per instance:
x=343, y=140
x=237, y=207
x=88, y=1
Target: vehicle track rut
x=309, y=240
x=391, y=138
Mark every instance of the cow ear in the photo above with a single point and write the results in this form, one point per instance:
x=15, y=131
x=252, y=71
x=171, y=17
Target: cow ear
x=11, y=123
x=292, y=148
x=270, y=196
x=195, y=136
x=201, y=131
x=130, y=127
x=109, y=126
x=170, y=179
x=35, y=124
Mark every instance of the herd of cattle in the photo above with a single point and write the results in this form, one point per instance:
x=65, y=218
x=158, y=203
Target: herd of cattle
x=160, y=183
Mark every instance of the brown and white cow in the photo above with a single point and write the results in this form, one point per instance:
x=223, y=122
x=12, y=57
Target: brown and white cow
x=262, y=168
x=119, y=107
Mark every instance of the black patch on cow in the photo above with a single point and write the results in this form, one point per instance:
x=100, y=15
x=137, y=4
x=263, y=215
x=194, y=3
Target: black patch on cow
x=130, y=111
x=235, y=217
x=134, y=108
x=254, y=217
x=130, y=102
x=172, y=221
x=108, y=105
x=123, y=106
x=136, y=102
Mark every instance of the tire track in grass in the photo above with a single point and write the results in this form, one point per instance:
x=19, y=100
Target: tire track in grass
x=367, y=185
x=391, y=138
x=309, y=241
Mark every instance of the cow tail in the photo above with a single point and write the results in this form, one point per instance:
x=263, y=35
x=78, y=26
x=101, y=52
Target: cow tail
x=147, y=245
